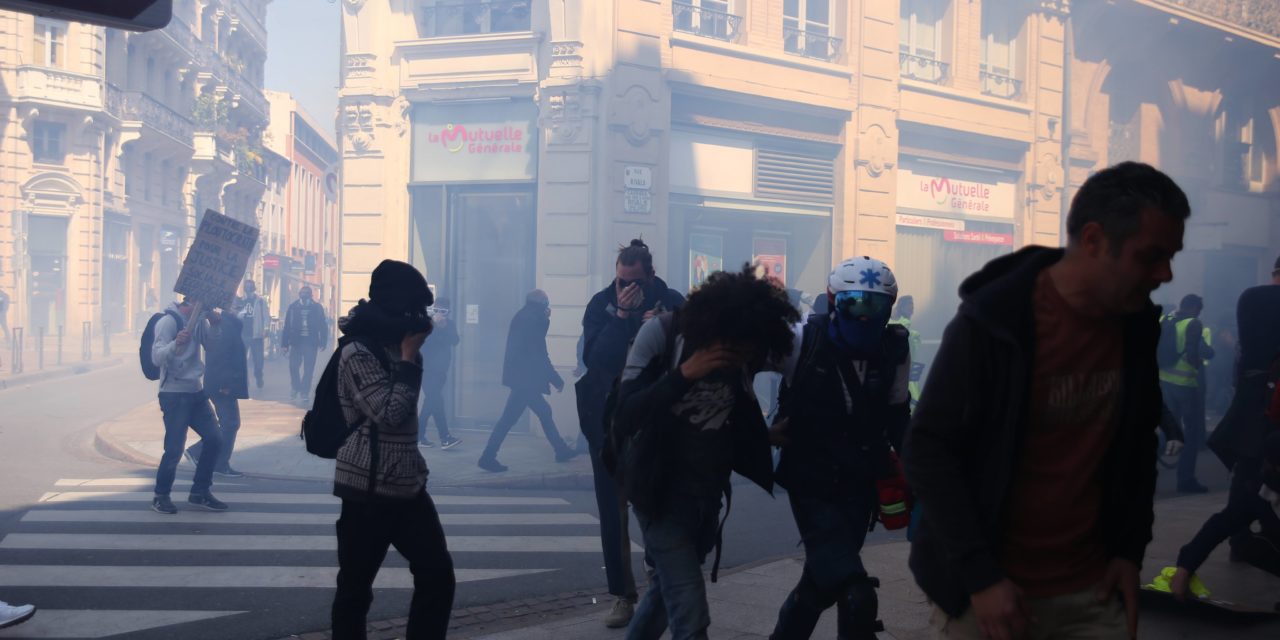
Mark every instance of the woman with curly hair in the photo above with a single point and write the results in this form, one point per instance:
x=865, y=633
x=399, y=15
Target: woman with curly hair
x=693, y=389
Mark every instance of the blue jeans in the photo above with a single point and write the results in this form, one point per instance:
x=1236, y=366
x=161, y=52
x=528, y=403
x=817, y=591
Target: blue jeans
x=1186, y=403
x=183, y=410
x=676, y=542
x=228, y=410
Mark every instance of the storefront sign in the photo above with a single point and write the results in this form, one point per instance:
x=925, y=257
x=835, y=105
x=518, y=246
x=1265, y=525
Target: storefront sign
x=771, y=255
x=928, y=222
x=706, y=256
x=637, y=178
x=271, y=262
x=979, y=237
x=216, y=262
x=475, y=142
x=945, y=194
x=637, y=201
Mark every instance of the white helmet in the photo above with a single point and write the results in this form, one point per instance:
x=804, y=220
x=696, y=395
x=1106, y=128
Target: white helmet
x=863, y=274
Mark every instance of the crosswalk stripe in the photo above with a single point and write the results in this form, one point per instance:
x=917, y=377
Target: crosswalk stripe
x=101, y=623
x=327, y=519
x=128, y=482
x=206, y=542
x=294, y=498
x=219, y=577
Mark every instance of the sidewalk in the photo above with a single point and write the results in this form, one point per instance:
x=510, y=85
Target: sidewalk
x=268, y=446
x=745, y=602
x=123, y=347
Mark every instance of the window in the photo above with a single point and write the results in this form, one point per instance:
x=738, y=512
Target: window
x=707, y=18
x=50, y=48
x=806, y=29
x=999, y=52
x=467, y=17
x=146, y=177
x=920, y=40
x=47, y=142
x=1254, y=160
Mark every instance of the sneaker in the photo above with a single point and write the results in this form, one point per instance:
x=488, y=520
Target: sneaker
x=621, y=614
x=491, y=464
x=15, y=614
x=207, y=501
x=229, y=473
x=162, y=504
x=450, y=442
x=426, y=444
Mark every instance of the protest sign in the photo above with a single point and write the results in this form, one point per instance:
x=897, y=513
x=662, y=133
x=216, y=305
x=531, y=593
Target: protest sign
x=217, y=260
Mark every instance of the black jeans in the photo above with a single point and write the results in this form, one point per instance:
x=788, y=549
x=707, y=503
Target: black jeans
x=182, y=411
x=302, y=363
x=365, y=531
x=1186, y=403
x=615, y=533
x=517, y=402
x=228, y=410
x=255, y=347
x=1244, y=506
x=433, y=406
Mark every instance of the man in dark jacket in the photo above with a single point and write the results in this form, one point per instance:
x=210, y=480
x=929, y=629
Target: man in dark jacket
x=437, y=359
x=305, y=333
x=226, y=380
x=1033, y=446
x=691, y=394
x=527, y=371
x=612, y=319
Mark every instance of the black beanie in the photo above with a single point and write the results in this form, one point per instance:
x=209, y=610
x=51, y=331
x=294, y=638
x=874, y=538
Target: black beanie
x=399, y=287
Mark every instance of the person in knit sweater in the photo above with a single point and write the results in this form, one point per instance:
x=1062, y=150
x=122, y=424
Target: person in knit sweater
x=380, y=475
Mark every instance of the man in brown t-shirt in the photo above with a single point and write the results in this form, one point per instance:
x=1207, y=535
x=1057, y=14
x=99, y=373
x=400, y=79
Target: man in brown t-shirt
x=1032, y=450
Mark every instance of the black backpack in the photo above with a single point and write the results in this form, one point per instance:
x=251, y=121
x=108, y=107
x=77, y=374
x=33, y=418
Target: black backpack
x=1167, y=353
x=633, y=455
x=149, y=367
x=324, y=427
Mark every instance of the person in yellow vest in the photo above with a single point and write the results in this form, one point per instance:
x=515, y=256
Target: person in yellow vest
x=1180, y=384
x=906, y=309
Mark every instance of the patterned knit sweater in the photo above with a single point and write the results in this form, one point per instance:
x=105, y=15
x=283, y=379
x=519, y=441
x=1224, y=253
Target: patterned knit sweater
x=376, y=397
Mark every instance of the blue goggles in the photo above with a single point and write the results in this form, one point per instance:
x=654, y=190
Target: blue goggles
x=855, y=305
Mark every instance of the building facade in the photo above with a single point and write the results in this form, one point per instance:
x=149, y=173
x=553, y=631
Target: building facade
x=113, y=145
x=506, y=145
x=307, y=226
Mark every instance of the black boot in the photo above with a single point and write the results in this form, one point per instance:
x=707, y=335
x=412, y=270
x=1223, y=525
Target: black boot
x=796, y=619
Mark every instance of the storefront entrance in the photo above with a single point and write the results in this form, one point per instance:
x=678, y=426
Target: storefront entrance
x=477, y=246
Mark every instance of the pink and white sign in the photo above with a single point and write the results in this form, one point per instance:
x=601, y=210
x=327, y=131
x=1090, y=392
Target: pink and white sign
x=979, y=237
x=947, y=194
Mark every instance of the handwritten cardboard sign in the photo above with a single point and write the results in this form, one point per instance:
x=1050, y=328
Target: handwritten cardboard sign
x=216, y=262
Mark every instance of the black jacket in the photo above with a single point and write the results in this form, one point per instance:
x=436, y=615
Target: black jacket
x=835, y=451
x=437, y=351
x=225, y=366
x=291, y=335
x=527, y=365
x=605, y=339
x=966, y=435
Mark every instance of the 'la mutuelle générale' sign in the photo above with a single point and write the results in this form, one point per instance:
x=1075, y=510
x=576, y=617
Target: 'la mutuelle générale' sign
x=217, y=260
x=486, y=142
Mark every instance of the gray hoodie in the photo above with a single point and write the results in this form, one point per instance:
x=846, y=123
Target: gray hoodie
x=181, y=369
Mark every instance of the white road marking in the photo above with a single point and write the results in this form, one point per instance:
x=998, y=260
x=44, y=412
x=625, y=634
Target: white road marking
x=101, y=623
x=220, y=577
x=327, y=519
x=206, y=542
x=232, y=498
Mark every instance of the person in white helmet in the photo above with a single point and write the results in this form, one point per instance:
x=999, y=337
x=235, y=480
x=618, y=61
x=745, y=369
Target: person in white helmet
x=15, y=614
x=844, y=405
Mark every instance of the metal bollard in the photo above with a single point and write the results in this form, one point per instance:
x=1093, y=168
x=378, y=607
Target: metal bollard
x=60, y=334
x=86, y=341
x=16, y=344
x=39, y=348
x=106, y=339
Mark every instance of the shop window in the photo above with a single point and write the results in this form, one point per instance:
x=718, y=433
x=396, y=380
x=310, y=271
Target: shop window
x=920, y=40
x=706, y=18
x=441, y=18
x=999, y=51
x=806, y=29
x=48, y=142
x=50, y=43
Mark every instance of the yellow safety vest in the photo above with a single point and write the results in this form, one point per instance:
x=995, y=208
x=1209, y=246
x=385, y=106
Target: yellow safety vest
x=913, y=341
x=1182, y=374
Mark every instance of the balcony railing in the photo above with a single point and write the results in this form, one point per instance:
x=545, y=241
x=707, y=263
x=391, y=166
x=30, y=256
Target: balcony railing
x=999, y=83
x=64, y=88
x=453, y=18
x=818, y=46
x=705, y=21
x=924, y=68
x=144, y=108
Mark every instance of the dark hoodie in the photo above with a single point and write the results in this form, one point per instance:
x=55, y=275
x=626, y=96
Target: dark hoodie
x=967, y=433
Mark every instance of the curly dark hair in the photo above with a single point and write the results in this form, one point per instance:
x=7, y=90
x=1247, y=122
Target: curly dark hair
x=739, y=308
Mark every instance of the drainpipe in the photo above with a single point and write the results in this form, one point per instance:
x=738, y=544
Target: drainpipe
x=1068, y=54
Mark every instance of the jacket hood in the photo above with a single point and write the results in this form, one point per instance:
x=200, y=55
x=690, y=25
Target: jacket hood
x=1000, y=292
x=367, y=320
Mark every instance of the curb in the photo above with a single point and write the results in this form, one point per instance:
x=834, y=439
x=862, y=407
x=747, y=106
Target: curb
x=110, y=448
x=69, y=370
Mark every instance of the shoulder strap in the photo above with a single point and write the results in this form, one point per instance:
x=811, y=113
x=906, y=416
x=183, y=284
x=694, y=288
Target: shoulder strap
x=670, y=330
x=728, y=506
x=809, y=340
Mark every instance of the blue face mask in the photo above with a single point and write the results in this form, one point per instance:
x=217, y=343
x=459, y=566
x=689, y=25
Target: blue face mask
x=858, y=321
